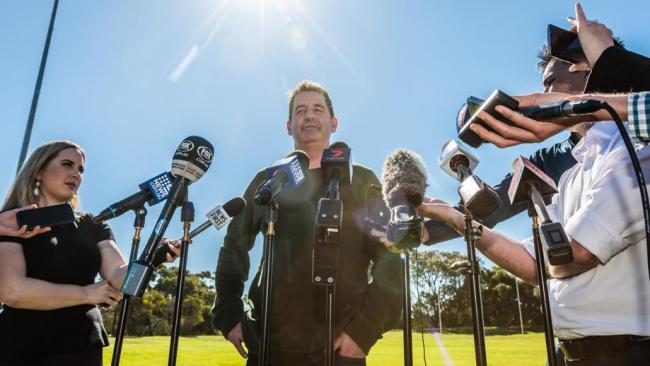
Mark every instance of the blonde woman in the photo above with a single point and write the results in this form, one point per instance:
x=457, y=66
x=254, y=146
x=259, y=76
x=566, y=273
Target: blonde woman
x=47, y=282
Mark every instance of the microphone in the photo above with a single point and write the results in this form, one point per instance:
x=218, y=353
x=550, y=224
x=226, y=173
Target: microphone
x=336, y=171
x=404, y=181
x=478, y=197
x=284, y=172
x=191, y=160
x=152, y=192
x=529, y=183
x=561, y=109
x=335, y=164
x=218, y=217
x=468, y=115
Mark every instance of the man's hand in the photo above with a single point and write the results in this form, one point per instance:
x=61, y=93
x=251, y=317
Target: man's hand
x=523, y=129
x=236, y=338
x=174, y=246
x=595, y=37
x=440, y=211
x=9, y=225
x=347, y=347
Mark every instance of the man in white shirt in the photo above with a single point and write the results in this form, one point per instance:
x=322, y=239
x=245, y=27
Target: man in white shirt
x=600, y=303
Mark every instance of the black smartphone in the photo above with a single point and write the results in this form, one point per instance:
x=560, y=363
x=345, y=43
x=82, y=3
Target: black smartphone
x=564, y=45
x=46, y=216
x=475, y=105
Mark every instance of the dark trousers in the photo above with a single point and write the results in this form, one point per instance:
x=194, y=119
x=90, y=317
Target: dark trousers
x=306, y=359
x=87, y=357
x=634, y=354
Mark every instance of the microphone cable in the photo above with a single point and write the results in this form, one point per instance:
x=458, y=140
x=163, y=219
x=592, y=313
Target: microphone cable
x=637, y=169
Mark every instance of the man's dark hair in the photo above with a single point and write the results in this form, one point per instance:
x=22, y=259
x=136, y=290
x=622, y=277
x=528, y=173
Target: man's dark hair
x=544, y=54
x=307, y=86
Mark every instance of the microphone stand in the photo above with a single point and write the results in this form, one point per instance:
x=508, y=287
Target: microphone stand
x=267, y=274
x=328, y=235
x=406, y=305
x=138, y=224
x=472, y=268
x=537, y=202
x=187, y=217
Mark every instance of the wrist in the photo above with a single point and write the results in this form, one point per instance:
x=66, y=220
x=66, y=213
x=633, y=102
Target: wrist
x=85, y=295
x=594, y=54
x=456, y=220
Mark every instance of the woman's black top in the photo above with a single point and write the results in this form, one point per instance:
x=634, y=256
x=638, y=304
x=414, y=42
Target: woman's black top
x=67, y=254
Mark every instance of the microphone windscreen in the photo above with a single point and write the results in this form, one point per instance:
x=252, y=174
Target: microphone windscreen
x=336, y=163
x=234, y=206
x=404, y=178
x=303, y=158
x=192, y=158
x=339, y=145
x=296, y=176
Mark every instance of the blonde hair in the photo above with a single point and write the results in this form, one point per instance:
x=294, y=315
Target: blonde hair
x=22, y=191
x=307, y=86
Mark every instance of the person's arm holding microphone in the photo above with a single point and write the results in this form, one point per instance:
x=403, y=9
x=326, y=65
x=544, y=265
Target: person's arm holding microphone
x=613, y=69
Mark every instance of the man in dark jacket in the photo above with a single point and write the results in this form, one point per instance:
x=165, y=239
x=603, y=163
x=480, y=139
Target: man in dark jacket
x=365, y=308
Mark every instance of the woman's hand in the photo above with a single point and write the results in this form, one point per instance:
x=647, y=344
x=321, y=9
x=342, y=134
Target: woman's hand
x=102, y=293
x=9, y=225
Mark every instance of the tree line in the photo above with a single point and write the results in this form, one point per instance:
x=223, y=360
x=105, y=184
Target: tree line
x=440, y=299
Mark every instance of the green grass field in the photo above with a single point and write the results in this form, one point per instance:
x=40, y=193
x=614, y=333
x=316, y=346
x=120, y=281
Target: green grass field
x=502, y=350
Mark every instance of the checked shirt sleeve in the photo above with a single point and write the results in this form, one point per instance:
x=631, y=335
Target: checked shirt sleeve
x=638, y=107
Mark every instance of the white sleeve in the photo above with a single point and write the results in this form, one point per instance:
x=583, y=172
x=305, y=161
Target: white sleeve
x=611, y=214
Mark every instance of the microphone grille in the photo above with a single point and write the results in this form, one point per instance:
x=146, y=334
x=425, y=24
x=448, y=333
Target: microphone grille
x=192, y=158
x=234, y=206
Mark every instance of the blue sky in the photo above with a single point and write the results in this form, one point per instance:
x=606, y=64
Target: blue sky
x=128, y=80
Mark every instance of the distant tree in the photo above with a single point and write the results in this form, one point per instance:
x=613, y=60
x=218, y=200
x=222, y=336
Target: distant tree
x=435, y=284
x=152, y=314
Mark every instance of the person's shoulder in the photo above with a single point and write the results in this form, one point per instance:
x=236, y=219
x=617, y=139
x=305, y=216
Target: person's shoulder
x=364, y=175
x=86, y=219
x=559, y=148
x=362, y=170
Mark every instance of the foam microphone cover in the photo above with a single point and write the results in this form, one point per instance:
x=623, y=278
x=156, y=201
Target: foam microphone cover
x=192, y=158
x=404, y=179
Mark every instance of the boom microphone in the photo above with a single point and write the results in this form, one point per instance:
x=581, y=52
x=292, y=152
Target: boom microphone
x=218, y=217
x=284, y=172
x=404, y=181
x=152, y=192
x=191, y=160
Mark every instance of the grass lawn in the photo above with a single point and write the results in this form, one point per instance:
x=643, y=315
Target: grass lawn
x=506, y=350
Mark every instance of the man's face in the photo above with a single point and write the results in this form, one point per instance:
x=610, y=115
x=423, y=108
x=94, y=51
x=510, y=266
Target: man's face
x=311, y=122
x=558, y=78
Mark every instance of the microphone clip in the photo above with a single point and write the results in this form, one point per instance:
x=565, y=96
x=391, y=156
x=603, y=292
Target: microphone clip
x=325, y=257
x=405, y=227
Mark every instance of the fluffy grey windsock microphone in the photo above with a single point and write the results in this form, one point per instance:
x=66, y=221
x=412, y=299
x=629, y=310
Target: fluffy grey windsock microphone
x=404, y=179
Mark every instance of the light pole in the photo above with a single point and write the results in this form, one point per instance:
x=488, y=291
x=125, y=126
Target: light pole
x=37, y=89
x=521, y=319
